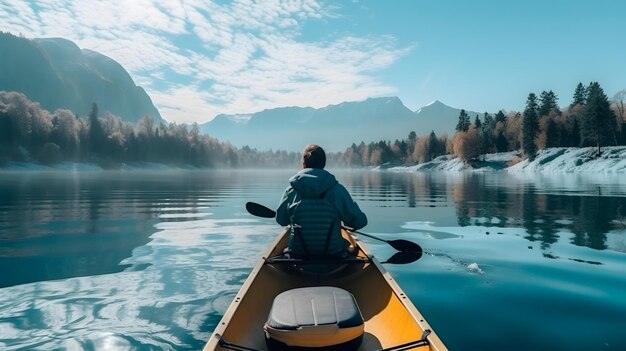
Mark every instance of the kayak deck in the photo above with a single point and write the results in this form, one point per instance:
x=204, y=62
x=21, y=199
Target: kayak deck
x=390, y=317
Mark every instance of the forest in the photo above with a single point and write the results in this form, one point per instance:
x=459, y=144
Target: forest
x=29, y=133
x=590, y=120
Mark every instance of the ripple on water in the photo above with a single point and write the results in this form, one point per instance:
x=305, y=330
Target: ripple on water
x=151, y=261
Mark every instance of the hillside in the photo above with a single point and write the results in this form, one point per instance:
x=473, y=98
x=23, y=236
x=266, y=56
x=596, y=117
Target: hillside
x=335, y=127
x=58, y=74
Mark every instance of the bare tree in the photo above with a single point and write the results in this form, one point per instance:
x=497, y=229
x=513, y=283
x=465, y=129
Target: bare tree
x=422, y=150
x=618, y=101
x=66, y=131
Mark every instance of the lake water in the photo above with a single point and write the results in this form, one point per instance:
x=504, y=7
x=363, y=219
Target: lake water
x=151, y=260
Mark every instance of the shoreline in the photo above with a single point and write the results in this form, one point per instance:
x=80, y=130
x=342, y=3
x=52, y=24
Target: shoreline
x=550, y=160
x=92, y=167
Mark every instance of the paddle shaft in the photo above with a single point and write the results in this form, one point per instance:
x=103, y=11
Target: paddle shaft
x=400, y=245
x=367, y=235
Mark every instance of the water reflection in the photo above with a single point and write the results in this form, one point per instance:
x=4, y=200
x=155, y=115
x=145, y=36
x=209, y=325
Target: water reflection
x=123, y=261
x=587, y=213
x=131, y=261
x=398, y=189
x=57, y=227
x=61, y=225
x=546, y=207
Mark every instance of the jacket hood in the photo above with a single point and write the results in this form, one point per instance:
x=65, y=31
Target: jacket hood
x=312, y=182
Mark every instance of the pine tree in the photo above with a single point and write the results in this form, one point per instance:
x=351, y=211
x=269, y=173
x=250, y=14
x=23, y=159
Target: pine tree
x=478, y=123
x=599, y=125
x=412, y=137
x=580, y=95
x=489, y=122
x=464, y=122
x=488, y=132
x=410, y=145
x=575, y=133
x=530, y=126
x=97, y=136
x=548, y=103
x=432, y=146
x=552, y=135
x=502, y=144
x=500, y=117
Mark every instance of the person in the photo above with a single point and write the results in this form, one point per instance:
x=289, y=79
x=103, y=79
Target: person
x=314, y=205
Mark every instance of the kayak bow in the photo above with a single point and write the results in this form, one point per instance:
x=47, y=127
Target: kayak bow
x=391, y=321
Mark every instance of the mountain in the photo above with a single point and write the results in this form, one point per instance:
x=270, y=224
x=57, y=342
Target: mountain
x=58, y=74
x=445, y=117
x=335, y=127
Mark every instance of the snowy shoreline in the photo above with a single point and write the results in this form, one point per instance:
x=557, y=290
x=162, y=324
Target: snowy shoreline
x=550, y=160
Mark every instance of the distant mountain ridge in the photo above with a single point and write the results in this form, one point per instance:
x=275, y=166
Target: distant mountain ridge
x=58, y=74
x=335, y=126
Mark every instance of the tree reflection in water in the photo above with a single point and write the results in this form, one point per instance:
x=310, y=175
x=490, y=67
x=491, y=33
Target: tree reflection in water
x=547, y=207
x=544, y=213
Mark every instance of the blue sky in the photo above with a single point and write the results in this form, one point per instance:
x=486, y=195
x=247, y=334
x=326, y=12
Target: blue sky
x=199, y=58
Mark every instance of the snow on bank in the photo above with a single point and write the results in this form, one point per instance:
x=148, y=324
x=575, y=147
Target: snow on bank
x=575, y=160
x=551, y=160
x=450, y=163
x=441, y=163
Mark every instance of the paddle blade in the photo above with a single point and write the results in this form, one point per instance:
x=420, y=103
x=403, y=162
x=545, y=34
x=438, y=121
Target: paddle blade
x=260, y=210
x=404, y=257
x=405, y=245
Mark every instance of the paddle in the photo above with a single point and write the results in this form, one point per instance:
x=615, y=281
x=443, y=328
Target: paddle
x=400, y=244
x=259, y=210
x=404, y=257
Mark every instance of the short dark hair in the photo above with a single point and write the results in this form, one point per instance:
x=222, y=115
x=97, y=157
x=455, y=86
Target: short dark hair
x=313, y=156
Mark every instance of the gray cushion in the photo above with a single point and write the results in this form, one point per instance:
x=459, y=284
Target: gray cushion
x=321, y=305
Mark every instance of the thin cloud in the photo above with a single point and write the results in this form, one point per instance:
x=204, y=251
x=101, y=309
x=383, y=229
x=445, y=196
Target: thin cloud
x=197, y=59
x=195, y=102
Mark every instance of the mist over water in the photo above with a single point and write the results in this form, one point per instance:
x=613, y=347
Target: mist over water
x=151, y=260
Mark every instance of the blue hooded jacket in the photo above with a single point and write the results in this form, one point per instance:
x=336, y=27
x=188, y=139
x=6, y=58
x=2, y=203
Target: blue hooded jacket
x=327, y=201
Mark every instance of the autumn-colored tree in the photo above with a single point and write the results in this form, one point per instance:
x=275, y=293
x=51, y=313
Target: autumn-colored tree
x=421, y=151
x=449, y=144
x=514, y=131
x=365, y=154
x=548, y=133
x=467, y=145
x=352, y=157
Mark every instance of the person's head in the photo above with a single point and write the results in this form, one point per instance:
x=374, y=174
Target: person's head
x=313, y=156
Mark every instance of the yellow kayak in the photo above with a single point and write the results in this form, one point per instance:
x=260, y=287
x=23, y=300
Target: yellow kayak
x=379, y=314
